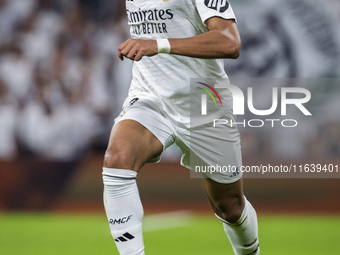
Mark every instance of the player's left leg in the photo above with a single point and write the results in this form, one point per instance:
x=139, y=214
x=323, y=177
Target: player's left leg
x=237, y=214
x=215, y=152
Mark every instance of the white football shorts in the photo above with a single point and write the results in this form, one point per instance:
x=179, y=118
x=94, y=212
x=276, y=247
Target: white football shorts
x=214, y=152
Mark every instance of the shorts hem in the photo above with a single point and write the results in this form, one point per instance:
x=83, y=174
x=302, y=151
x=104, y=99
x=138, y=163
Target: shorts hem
x=222, y=181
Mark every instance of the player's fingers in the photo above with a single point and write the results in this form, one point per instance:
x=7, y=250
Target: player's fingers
x=128, y=51
x=123, y=45
x=139, y=55
x=120, y=55
x=125, y=48
x=120, y=48
x=132, y=53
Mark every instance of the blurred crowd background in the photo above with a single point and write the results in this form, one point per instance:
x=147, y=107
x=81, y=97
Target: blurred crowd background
x=62, y=84
x=59, y=75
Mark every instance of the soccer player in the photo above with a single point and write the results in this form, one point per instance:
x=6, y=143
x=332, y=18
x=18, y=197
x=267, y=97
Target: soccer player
x=171, y=42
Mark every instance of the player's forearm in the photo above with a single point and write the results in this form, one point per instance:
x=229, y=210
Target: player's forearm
x=222, y=41
x=213, y=44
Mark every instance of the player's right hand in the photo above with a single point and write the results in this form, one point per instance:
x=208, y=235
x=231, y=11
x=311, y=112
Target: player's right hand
x=135, y=49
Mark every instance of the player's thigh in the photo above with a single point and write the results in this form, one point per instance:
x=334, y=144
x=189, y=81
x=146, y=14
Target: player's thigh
x=212, y=151
x=131, y=145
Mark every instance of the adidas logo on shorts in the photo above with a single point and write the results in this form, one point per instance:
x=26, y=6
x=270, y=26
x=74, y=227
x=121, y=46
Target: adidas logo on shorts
x=125, y=237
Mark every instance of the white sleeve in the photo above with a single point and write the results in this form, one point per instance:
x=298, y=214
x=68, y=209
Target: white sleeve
x=214, y=8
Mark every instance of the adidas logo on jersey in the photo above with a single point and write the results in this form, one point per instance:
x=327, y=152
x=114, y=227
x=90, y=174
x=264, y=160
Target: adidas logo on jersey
x=124, y=238
x=218, y=5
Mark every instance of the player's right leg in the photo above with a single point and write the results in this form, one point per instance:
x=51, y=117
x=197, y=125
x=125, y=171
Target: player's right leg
x=131, y=145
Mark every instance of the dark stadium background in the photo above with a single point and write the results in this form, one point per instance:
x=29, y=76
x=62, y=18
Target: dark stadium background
x=62, y=84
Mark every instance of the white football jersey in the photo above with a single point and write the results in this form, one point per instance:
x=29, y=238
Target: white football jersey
x=167, y=76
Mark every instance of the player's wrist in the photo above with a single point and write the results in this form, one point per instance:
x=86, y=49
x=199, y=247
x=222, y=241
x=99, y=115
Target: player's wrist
x=163, y=46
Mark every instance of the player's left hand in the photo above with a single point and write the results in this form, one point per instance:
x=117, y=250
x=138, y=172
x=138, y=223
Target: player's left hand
x=135, y=49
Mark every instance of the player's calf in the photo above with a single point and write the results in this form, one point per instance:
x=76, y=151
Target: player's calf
x=237, y=214
x=243, y=234
x=124, y=210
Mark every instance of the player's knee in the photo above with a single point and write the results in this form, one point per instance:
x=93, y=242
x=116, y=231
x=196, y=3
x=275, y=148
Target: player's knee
x=118, y=159
x=229, y=210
